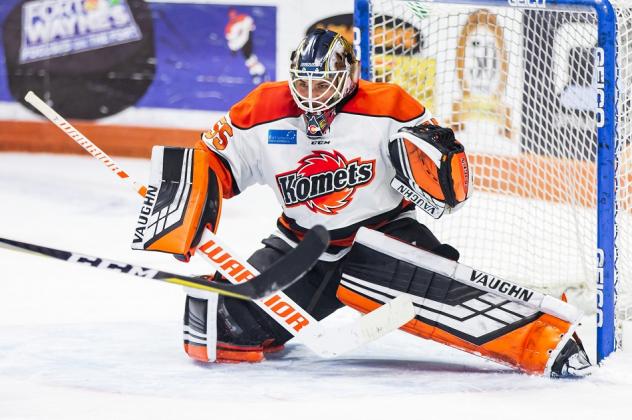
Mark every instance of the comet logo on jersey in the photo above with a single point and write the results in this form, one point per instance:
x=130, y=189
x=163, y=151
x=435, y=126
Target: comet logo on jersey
x=325, y=181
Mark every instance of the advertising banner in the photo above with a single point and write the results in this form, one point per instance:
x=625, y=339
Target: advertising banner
x=95, y=58
x=210, y=56
x=89, y=58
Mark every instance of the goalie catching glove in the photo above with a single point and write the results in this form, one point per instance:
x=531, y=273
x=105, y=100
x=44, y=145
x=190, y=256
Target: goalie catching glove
x=183, y=196
x=431, y=168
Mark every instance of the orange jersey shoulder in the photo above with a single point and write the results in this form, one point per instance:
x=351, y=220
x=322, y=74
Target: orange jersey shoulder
x=268, y=102
x=384, y=100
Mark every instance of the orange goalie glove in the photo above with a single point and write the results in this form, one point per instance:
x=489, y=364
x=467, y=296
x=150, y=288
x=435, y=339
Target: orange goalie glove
x=431, y=168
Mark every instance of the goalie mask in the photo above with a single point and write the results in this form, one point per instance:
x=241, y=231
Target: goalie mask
x=323, y=71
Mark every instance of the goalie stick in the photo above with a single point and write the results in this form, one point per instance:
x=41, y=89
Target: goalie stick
x=277, y=277
x=279, y=306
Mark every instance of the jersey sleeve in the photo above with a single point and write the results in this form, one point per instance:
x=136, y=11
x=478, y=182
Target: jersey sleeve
x=414, y=113
x=234, y=158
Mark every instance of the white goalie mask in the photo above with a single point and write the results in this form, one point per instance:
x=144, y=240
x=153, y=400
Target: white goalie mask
x=323, y=71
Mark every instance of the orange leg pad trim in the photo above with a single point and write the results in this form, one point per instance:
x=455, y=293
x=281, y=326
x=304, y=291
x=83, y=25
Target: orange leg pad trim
x=196, y=352
x=527, y=348
x=237, y=354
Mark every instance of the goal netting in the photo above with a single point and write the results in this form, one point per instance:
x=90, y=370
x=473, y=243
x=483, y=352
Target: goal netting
x=522, y=87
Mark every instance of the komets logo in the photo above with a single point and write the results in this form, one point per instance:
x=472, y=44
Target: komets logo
x=325, y=181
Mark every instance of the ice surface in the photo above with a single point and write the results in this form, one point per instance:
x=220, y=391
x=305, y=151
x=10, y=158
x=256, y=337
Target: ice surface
x=77, y=343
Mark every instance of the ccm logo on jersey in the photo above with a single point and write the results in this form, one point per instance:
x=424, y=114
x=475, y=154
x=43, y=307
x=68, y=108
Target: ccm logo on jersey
x=324, y=181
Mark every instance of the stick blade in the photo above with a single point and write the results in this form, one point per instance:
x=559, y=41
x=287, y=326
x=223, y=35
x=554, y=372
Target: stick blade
x=290, y=268
x=376, y=324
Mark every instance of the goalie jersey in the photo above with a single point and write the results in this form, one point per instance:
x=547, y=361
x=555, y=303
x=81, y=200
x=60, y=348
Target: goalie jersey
x=340, y=180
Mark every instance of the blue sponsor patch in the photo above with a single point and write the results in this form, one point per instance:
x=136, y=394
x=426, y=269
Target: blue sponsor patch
x=281, y=136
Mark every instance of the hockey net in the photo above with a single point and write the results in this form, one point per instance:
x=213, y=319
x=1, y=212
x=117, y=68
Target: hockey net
x=519, y=86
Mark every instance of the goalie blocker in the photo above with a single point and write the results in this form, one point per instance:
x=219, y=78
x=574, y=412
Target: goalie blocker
x=465, y=308
x=183, y=197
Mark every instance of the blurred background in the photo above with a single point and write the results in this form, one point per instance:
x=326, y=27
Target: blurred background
x=133, y=73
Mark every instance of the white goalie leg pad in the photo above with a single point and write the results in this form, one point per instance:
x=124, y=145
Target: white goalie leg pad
x=467, y=275
x=460, y=306
x=199, y=330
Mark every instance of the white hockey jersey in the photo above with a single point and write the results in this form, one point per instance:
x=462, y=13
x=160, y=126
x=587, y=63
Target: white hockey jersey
x=340, y=181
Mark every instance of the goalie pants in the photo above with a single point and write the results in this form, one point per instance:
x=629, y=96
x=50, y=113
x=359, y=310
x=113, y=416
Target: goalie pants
x=224, y=328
